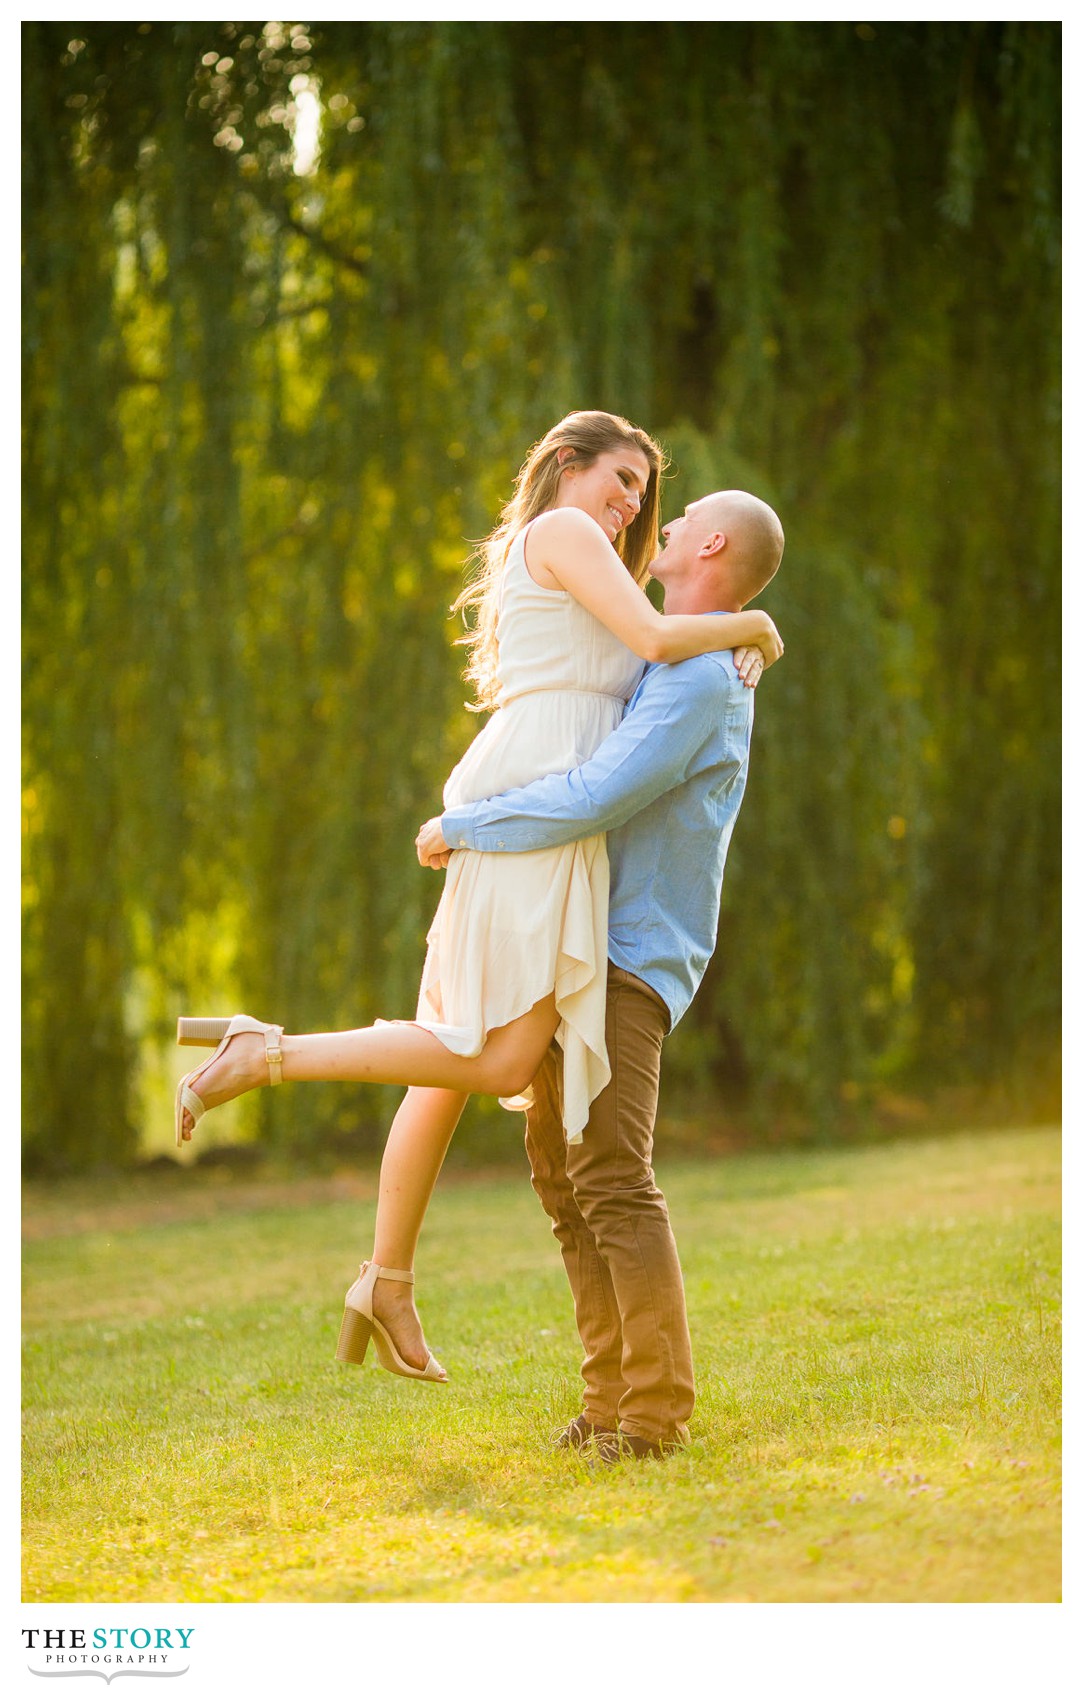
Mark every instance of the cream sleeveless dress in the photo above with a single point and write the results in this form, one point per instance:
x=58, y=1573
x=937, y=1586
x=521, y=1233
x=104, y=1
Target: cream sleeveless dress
x=510, y=928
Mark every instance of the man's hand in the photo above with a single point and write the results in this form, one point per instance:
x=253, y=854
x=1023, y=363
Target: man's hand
x=432, y=849
x=750, y=663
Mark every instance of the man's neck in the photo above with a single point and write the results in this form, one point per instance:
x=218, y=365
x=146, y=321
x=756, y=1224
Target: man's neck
x=692, y=600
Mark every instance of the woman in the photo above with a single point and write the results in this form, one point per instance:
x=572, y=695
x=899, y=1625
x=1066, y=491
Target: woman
x=517, y=949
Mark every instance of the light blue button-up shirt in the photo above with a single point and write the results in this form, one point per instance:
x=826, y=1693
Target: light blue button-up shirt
x=666, y=786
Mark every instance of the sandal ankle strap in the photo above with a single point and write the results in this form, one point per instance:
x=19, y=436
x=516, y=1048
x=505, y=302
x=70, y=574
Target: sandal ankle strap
x=383, y=1274
x=273, y=1047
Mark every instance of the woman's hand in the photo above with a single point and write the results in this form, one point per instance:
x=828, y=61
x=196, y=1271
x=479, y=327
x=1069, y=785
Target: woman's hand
x=751, y=659
x=769, y=644
x=750, y=663
x=432, y=849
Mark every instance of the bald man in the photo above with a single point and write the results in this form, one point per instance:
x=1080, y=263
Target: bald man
x=666, y=787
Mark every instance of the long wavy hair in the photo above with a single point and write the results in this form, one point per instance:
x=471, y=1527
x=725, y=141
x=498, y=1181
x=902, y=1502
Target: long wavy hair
x=588, y=435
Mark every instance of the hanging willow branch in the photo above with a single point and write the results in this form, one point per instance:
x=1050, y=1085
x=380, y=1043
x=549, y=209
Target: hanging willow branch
x=819, y=260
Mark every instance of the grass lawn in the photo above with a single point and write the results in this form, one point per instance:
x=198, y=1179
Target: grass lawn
x=877, y=1344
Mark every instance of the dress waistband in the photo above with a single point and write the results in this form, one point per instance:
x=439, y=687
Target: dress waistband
x=561, y=690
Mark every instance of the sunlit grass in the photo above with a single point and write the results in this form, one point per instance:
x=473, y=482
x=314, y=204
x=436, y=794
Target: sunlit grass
x=877, y=1345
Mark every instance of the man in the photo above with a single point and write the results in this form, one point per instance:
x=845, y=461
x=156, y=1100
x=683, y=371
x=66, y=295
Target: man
x=666, y=787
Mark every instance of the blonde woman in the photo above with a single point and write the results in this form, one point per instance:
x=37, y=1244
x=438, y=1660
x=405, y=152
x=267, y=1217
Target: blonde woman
x=517, y=949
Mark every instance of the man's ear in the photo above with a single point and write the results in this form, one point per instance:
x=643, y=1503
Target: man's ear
x=714, y=544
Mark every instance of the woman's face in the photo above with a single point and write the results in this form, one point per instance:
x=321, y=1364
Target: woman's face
x=610, y=489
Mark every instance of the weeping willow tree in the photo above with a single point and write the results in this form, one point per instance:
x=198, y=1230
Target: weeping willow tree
x=297, y=299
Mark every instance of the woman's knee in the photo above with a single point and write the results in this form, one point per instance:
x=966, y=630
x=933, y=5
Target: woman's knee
x=512, y=1082
x=513, y=1055
x=507, y=1069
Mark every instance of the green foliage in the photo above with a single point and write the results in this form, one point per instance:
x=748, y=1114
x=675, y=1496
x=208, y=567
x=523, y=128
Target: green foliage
x=267, y=409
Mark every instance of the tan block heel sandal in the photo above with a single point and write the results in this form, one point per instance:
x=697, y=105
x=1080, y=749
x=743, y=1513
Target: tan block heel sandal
x=359, y=1325
x=198, y=1030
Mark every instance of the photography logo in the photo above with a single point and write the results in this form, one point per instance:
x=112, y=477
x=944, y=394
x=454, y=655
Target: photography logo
x=107, y=1653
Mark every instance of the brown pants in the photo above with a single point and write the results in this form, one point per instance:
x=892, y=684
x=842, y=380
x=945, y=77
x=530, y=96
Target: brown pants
x=613, y=1226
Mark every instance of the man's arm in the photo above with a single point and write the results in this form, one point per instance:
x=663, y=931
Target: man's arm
x=672, y=716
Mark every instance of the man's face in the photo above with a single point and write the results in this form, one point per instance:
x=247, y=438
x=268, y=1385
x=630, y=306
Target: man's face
x=684, y=536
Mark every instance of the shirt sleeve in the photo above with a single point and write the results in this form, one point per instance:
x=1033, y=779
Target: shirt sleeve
x=677, y=712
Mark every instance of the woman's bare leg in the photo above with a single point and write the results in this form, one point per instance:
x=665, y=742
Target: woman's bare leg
x=403, y=1054
x=397, y=1054
x=439, y=1082
x=413, y=1157
x=415, y=1150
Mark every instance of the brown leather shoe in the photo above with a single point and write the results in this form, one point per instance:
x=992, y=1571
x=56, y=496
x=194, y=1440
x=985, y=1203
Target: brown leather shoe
x=614, y=1448
x=579, y=1434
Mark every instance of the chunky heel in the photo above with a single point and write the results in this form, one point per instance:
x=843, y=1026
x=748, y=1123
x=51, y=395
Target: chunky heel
x=359, y=1325
x=353, y=1337
x=197, y=1030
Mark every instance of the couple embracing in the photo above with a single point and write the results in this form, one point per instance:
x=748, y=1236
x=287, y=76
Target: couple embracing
x=584, y=835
